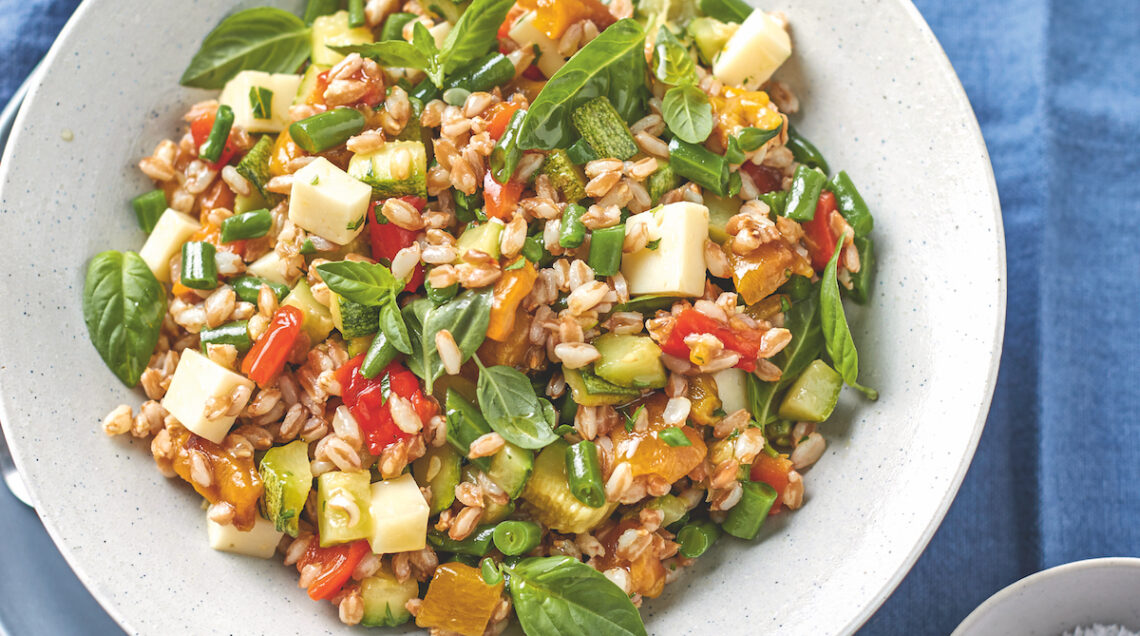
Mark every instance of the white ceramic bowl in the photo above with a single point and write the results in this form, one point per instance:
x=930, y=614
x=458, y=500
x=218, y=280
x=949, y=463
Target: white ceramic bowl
x=1057, y=600
x=879, y=97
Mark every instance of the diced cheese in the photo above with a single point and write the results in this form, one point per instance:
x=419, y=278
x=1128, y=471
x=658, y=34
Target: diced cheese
x=236, y=96
x=327, y=202
x=260, y=542
x=440, y=32
x=677, y=265
x=195, y=381
x=399, y=516
x=754, y=52
x=333, y=30
x=170, y=232
x=270, y=267
x=525, y=34
x=732, y=389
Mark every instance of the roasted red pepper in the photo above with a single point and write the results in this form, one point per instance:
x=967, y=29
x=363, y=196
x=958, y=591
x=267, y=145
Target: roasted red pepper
x=388, y=239
x=200, y=129
x=367, y=400
x=336, y=563
x=500, y=200
x=773, y=471
x=742, y=340
x=766, y=178
x=817, y=232
x=267, y=357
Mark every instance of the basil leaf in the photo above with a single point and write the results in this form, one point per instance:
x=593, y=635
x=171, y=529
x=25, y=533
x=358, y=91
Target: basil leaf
x=612, y=64
x=836, y=334
x=365, y=283
x=388, y=53
x=561, y=595
x=123, y=306
x=802, y=320
x=671, y=61
x=475, y=33
x=752, y=138
x=466, y=316
x=511, y=407
x=733, y=154
x=506, y=154
x=424, y=42
x=261, y=39
x=688, y=113
x=726, y=10
x=392, y=324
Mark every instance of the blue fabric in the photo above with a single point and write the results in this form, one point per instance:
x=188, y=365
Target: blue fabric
x=1056, y=87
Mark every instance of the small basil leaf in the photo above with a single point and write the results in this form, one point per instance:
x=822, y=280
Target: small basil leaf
x=424, y=42
x=671, y=61
x=475, y=33
x=752, y=138
x=726, y=10
x=261, y=39
x=511, y=407
x=506, y=154
x=836, y=334
x=388, y=53
x=466, y=316
x=688, y=113
x=123, y=306
x=392, y=324
x=364, y=283
x=561, y=595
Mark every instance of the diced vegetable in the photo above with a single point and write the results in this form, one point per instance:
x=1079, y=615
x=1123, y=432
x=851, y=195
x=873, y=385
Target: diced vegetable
x=851, y=204
x=763, y=271
x=353, y=320
x=196, y=380
x=248, y=225
x=328, y=202
x=500, y=199
x=282, y=88
x=399, y=516
x=805, y=151
x=603, y=128
x=199, y=269
x=703, y=399
x=651, y=455
x=526, y=34
x=677, y=266
x=366, y=398
x=807, y=183
x=484, y=74
x=439, y=470
x=248, y=287
x=148, y=208
x=754, y=52
x=211, y=151
x=201, y=130
x=572, y=232
x=336, y=564
x=385, y=599
x=549, y=497
x=514, y=538
x=234, y=333
x=566, y=177
x=334, y=30
x=606, y=250
x=317, y=319
x=378, y=169
x=287, y=477
x=483, y=237
x=673, y=509
x=813, y=396
x=697, y=537
x=699, y=165
x=710, y=35
x=732, y=389
x=511, y=468
x=584, y=474
x=721, y=209
x=311, y=90
x=584, y=386
x=661, y=181
x=260, y=541
x=477, y=544
x=510, y=290
x=746, y=517
x=773, y=471
x=343, y=506
x=320, y=132
x=631, y=361
x=581, y=152
x=170, y=232
x=817, y=232
x=387, y=239
x=233, y=476
x=738, y=337
x=393, y=28
x=267, y=358
x=254, y=167
x=458, y=600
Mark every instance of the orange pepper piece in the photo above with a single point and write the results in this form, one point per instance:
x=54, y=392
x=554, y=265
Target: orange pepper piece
x=510, y=289
x=773, y=471
x=284, y=151
x=235, y=479
x=650, y=454
x=553, y=17
x=458, y=600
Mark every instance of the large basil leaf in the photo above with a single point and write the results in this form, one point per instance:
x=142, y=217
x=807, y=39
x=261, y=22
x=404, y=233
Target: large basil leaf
x=688, y=113
x=726, y=10
x=802, y=320
x=388, y=53
x=561, y=595
x=365, y=283
x=475, y=33
x=612, y=64
x=261, y=39
x=511, y=407
x=671, y=61
x=424, y=42
x=466, y=316
x=836, y=334
x=123, y=306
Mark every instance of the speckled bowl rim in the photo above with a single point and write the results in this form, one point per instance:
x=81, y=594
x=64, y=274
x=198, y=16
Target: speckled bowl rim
x=919, y=546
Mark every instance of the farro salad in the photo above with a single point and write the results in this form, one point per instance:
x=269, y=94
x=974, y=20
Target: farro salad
x=467, y=310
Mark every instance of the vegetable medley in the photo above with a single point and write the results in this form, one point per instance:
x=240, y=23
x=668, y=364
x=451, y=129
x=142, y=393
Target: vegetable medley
x=472, y=309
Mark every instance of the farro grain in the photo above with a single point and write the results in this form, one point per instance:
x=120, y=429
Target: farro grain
x=118, y=421
x=676, y=411
x=793, y=496
x=351, y=608
x=404, y=415
x=465, y=523
x=651, y=145
x=808, y=451
x=449, y=352
x=402, y=214
x=485, y=446
x=620, y=481
x=619, y=577
x=576, y=355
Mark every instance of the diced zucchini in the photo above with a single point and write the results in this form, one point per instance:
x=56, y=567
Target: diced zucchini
x=357, y=346
x=672, y=507
x=526, y=34
x=439, y=470
x=261, y=541
x=549, y=498
x=413, y=130
x=510, y=469
x=677, y=264
x=753, y=52
x=269, y=267
x=630, y=361
x=353, y=320
x=343, y=500
x=385, y=599
x=333, y=30
x=813, y=396
x=603, y=128
x=661, y=181
x=399, y=516
x=588, y=389
x=483, y=237
x=283, y=87
x=288, y=478
x=710, y=35
x=465, y=424
x=566, y=177
x=375, y=169
x=492, y=512
x=254, y=166
x=732, y=387
x=328, y=202
x=308, y=83
x=170, y=232
x=247, y=202
x=318, y=320
x=196, y=380
x=721, y=209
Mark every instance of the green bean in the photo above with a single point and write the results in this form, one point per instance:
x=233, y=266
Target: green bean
x=232, y=333
x=317, y=8
x=394, y=26
x=696, y=537
x=533, y=250
x=477, y=544
x=380, y=354
x=862, y=279
x=490, y=571
x=355, y=13
x=513, y=538
x=224, y=120
x=484, y=74
x=797, y=287
x=148, y=207
x=851, y=204
x=199, y=269
x=326, y=130
x=746, y=517
x=425, y=91
x=807, y=183
x=805, y=151
x=584, y=474
x=777, y=200
x=247, y=288
x=700, y=165
x=248, y=225
x=573, y=232
x=605, y=250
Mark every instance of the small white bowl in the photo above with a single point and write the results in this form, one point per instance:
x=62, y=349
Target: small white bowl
x=1054, y=601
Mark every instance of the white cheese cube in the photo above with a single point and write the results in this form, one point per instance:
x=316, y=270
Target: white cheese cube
x=270, y=267
x=526, y=35
x=170, y=232
x=195, y=381
x=440, y=32
x=261, y=541
x=732, y=388
x=333, y=30
x=399, y=516
x=754, y=52
x=327, y=202
x=236, y=96
x=677, y=265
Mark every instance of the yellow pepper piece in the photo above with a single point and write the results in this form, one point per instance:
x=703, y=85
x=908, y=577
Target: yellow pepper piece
x=458, y=600
x=284, y=151
x=761, y=272
x=510, y=289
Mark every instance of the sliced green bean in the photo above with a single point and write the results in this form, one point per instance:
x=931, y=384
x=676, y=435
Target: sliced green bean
x=746, y=517
x=327, y=130
x=573, y=232
x=805, y=151
x=248, y=225
x=605, y=250
x=380, y=354
x=478, y=544
x=861, y=281
x=807, y=183
x=223, y=121
x=851, y=204
x=148, y=207
x=199, y=269
x=513, y=538
x=248, y=288
x=696, y=537
x=584, y=474
x=233, y=333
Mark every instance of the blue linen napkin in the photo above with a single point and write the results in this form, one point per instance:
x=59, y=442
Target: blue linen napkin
x=1056, y=87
